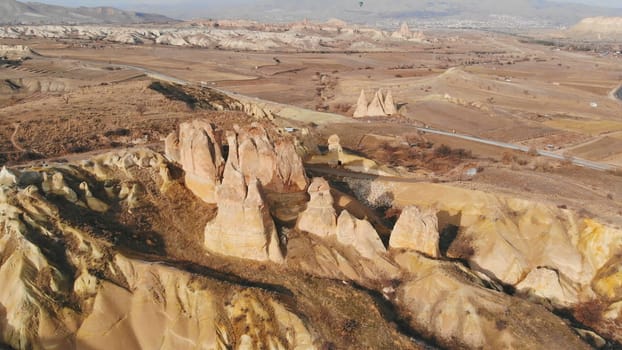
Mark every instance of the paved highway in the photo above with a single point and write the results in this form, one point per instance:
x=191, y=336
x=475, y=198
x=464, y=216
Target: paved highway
x=577, y=161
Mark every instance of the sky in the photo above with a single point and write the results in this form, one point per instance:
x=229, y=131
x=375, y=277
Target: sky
x=184, y=9
x=131, y=3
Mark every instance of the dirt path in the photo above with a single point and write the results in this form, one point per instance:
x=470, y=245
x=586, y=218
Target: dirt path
x=14, y=139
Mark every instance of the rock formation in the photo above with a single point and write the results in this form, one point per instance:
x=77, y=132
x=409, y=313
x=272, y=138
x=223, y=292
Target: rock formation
x=15, y=52
x=359, y=234
x=404, y=33
x=197, y=148
x=462, y=313
x=361, y=106
x=7, y=177
x=547, y=284
x=416, y=230
x=571, y=265
x=335, y=151
x=55, y=184
x=376, y=106
x=389, y=105
x=116, y=301
x=243, y=226
x=240, y=36
x=274, y=163
x=99, y=254
x=320, y=217
x=379, y=106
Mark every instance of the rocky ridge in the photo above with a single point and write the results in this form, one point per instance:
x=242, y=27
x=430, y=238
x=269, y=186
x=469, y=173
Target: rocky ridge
x=78, y=282
x=257, y=37
x=16, y=12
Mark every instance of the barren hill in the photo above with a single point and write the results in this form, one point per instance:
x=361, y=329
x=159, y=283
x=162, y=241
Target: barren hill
x=606, y=28
x=15, y=12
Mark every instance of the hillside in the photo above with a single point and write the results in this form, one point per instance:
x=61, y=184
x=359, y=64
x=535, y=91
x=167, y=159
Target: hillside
x=15, y=12
x=601, y=28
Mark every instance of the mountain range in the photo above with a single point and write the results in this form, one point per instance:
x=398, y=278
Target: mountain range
x=531, y=12
x=15, y=12
x=371, y=11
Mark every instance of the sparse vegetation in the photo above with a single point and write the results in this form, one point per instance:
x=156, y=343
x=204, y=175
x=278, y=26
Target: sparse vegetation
x=141, y=108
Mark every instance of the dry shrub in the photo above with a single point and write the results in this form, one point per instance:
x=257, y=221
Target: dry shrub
x=342, y=107
x=590, y=313
x=442, y=151
x=543, y=165
x=522, y=162
x=508, y=158
x=412, y=137
x=141, y=108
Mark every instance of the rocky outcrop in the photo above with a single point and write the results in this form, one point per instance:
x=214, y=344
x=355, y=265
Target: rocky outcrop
x=381, y=105
x=256, y=163
x=361, y=106
x=197, y=148
x=290, y=174
x=404, y=33
x=171, y=39
x=389, y=104
x=335, y=151
x=452, y=304
x=273, y=162
x=15, y=52
x=359, y=234
x=243, y=227
x=573, y=263
x=320, y=217
x=82, y=277
x=416, y=230
x=245, y=36
x=548, y=284
x=376, y=106
x=7, y=178
x=71, y=288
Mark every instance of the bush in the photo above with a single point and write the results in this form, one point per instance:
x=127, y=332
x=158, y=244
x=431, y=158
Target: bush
x=117, y=132
x=442, y=151
x=141, y=108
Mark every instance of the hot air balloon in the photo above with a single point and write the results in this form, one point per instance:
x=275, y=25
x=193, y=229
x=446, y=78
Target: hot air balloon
x=361, y=3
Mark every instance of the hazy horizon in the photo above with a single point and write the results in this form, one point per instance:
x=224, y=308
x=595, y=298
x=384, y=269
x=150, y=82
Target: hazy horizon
x=184, y=8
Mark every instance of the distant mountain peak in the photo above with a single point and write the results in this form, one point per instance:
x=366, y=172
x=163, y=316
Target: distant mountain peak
x=16, y=12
